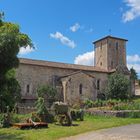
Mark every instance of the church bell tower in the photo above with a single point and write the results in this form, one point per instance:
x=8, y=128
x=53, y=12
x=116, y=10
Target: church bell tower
x=110, y=52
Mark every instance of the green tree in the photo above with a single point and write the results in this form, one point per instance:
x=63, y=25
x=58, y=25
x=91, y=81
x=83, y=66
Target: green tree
x=10, y=91
x=139, y=82
x=40, y=105
x=11, y=39
x=118, y=87
x=133, y=75
x=46, y=90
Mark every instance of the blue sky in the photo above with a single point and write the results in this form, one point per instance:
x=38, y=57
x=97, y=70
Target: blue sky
x=63, y=30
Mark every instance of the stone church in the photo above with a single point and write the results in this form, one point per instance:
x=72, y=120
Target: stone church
x=74, y=83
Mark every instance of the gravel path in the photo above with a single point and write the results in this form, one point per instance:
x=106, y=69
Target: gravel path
x=129, y=132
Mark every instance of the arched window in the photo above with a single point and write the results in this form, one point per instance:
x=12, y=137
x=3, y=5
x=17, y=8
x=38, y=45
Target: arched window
x=98, y=84
x=100, y=63
x=28, y=88
x=80, y=89
x=117, y=44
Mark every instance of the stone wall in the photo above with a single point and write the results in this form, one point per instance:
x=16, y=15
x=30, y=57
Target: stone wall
x=79, y=87
x=31, y=77
x=116, y=53
x=109, y=53
x=34, y=76
x=26, y=110
x=101, y=54
x=118, y=113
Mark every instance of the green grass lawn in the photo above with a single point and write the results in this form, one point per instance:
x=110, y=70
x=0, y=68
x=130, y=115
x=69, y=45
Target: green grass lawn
x=55, y=132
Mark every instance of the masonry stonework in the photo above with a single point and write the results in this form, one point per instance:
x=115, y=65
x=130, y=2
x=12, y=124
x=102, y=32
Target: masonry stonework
x=74, y=83
x=34, y=75
x=110, y=52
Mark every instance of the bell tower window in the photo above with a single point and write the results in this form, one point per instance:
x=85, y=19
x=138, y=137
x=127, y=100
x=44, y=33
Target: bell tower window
x=117, y=45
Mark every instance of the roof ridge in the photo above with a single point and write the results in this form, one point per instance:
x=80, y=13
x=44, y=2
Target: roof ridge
x=61, y=65
x=109, y=36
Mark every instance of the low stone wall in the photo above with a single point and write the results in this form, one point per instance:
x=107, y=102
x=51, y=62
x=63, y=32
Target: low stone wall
x=120, y=113
x=25, y=110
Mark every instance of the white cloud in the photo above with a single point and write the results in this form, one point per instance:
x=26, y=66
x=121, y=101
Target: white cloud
x=133, y=58
x=135, y=66
x=134, y=61
x=63, y=39
x=75, y=27
x=88, y=59
x=134, y=10
x=85, y=59
x=25, y=50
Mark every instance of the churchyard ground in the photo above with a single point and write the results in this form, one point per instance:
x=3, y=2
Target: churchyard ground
x=55, y=132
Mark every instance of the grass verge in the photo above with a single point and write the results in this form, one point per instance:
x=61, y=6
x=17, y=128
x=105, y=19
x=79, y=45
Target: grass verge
x=54, y=132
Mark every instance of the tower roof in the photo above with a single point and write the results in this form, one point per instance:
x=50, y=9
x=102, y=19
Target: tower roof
x=109, y=37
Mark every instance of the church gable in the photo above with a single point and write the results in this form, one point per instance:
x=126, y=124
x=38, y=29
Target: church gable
x=77, y=73
x=78, y=86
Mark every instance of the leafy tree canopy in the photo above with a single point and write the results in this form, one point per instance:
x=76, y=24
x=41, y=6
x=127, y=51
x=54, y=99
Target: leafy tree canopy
x=118, y=87
x=40, y=105
x=11, y=39
x=9, y=92
x=133, y=75
x=46, y=90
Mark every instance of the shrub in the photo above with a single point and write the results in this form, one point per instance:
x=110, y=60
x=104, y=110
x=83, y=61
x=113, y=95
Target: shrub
x=6, y=120
x=98, y=103
x=118, y=86
x=43, y=112
x=77, y=114
x=135, y=105
x=40, y=105
x=133, y=114
x=46, y=90
x=88, y=103
x=15, y=118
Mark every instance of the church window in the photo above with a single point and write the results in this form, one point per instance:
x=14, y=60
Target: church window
x=54, y=80
x=98, y=84
x=109, y=44
x=28, y=88
x=117, y=45
x=80, y=89
x=100, y=63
